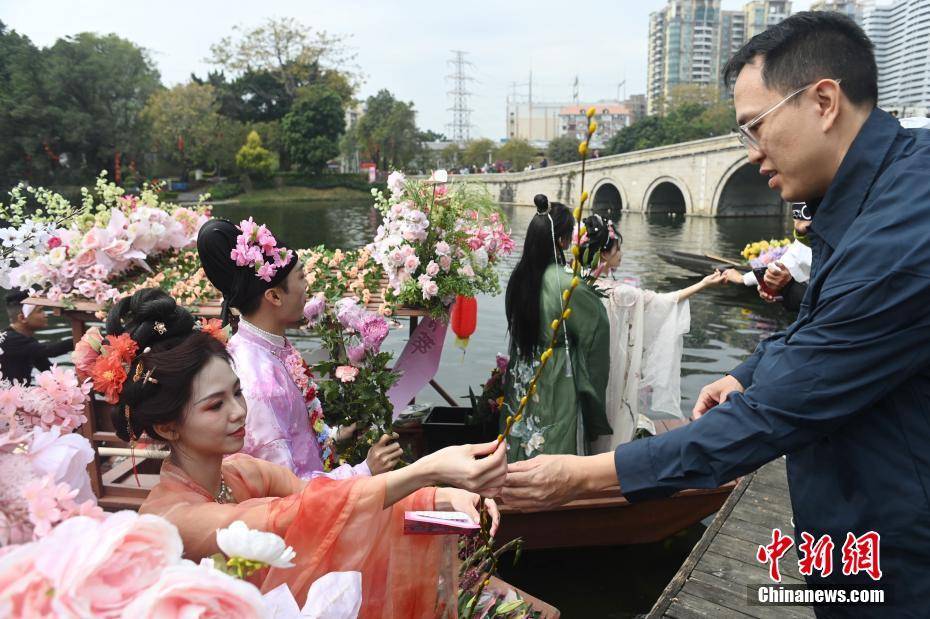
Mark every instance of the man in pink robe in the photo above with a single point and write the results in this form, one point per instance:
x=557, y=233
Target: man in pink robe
x=270, y=293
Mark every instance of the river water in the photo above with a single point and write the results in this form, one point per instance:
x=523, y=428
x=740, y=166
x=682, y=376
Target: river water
x=726, y=324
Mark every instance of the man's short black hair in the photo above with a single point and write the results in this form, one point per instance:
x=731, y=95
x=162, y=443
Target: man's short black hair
x=810, y=46
x=251, y=306
x=14, y=303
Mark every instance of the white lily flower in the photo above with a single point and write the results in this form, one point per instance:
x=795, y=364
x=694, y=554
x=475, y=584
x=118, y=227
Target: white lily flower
x=242, y=542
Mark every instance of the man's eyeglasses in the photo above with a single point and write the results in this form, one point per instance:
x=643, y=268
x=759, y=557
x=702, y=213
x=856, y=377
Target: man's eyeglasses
x=744, y=131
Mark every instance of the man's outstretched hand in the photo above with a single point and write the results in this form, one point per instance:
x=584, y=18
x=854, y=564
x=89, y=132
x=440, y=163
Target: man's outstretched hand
x=552, y=480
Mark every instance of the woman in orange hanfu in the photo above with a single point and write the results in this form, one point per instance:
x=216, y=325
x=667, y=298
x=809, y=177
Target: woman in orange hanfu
x=175, y=383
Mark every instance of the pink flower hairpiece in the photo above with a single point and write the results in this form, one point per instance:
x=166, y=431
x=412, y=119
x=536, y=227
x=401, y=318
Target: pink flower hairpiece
x=253, y=245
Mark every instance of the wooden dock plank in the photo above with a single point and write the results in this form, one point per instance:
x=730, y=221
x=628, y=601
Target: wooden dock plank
x=714, y=580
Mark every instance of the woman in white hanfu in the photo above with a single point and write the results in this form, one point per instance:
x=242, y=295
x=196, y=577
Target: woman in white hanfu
x=646, y=338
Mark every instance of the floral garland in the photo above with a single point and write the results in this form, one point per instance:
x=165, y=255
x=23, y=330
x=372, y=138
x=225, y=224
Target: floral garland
x=253, y=245
x=303, y=378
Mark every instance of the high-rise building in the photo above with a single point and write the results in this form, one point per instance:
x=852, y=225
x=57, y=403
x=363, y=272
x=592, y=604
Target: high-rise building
x=732, y=33
x=854, y=9
x=760, y=14
x=684, y=48
x=901, y=35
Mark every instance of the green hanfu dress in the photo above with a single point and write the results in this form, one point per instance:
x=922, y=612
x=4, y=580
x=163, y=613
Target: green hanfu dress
x=568, y=410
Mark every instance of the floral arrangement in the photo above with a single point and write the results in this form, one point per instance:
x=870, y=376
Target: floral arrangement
x=303, y=377
x=109, y=235
x=254, y=244
x=55, y=400
x=336, y=274
x=486, y=407
x=438, y=241
x=768, y=256
x=180, y=275
x=357, y=371
x=755, y=250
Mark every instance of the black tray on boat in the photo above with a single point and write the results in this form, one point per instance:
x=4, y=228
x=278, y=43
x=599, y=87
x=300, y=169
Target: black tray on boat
x=696, y=263
x=445, y=426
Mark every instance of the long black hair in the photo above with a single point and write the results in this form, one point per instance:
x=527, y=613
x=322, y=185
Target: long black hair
x=522, y=299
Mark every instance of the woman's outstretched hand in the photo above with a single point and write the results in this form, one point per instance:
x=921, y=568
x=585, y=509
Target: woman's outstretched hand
x=478, y=468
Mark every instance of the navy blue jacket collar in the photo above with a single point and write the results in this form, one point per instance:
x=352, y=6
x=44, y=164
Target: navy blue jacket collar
x=853, y=180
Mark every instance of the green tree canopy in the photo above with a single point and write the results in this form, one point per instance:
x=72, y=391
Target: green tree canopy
x=564, y=149
x=476, y=152
x=387, y=132
x=254, y=160
x=97, y=87
x=694, y=113
x=518, y=152
x=188, y=130
x=312, y=128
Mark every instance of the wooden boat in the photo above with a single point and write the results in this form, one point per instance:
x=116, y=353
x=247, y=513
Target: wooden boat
x=702, y=264
x=608, y=519
x=605, y=518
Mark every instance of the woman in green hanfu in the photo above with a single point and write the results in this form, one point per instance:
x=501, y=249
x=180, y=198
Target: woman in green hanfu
x=567, y=411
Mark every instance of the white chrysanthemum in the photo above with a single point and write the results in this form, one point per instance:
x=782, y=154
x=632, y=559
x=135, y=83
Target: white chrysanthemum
x=240, y=541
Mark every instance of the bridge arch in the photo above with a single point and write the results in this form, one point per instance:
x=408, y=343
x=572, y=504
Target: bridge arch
x=667, y=194
x=742, y=192
x=608, y=199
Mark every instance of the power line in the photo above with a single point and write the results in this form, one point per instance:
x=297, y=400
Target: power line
x=461, y=113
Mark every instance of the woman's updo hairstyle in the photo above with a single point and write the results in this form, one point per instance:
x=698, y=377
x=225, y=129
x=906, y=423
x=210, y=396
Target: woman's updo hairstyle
x=171, y=354
x=601, y=237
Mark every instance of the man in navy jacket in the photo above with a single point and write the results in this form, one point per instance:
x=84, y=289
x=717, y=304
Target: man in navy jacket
x=845, y=390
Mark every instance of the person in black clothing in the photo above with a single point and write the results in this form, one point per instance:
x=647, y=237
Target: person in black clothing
x=20, y=351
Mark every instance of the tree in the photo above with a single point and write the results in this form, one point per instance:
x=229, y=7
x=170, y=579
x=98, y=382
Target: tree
x=476, y=152
x=188, y=130
x=451, y=156
x=564, y=149
x=96, y=89
x=312, y=128
x=431, y=136
x=691, y=117
x=24, y=118
x=254, y=160
x=291, y=53
x=518, y=152
x=387, y=132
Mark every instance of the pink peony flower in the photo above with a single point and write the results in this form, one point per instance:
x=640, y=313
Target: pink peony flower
x=395, y=183
x=86, y=258
x=356, y=354
x=97, y=568
x=432, y=269
x=443, y=249
x=94, y=239
x=189, y=590
x=445, y=262
x=117, y=249
x=54, y=293
x=314, y=308
x=346, y=373
x=24, y=592
x=411, y=264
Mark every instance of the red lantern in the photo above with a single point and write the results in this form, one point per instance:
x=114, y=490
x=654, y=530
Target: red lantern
x=464, y=319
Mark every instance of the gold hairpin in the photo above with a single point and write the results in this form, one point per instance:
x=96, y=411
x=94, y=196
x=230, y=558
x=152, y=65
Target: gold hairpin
x=138, y=374
x=160, y=328
x=132, y=435
x=148, y=377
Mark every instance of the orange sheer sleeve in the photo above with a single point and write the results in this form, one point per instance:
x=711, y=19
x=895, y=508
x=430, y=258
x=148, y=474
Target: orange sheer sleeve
x=333, y=525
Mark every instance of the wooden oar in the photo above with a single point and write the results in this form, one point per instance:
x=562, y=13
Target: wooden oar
x=738, y=265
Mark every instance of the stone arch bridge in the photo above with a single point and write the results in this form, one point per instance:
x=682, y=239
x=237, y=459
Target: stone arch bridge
x=710, y=178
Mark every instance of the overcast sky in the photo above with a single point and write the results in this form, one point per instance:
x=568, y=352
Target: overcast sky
x=403, y=46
